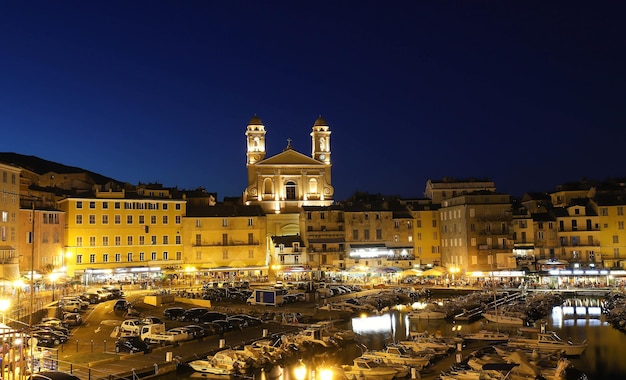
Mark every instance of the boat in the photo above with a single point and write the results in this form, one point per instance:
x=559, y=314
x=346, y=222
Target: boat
x=487, y=335
x=395, y=354
x=504, y=318
x=368, y=369
x=426, y=314
x=549, y=341
x=220, y=364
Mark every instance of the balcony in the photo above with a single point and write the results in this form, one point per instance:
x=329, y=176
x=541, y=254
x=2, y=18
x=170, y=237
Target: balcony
x=230, y=243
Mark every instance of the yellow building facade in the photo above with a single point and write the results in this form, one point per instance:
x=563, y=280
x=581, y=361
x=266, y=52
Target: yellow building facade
x=123, y=236
x=225, y=242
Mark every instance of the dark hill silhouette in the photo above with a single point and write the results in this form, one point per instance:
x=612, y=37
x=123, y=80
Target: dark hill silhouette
x=41, y=166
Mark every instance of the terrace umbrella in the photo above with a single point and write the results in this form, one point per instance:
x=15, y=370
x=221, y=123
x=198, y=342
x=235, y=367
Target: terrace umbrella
x=433, y=272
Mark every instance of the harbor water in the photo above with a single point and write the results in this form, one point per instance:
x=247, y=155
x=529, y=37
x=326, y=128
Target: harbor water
x=577, y=319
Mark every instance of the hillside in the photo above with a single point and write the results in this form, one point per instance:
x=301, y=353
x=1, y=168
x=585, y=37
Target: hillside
x=41, y=166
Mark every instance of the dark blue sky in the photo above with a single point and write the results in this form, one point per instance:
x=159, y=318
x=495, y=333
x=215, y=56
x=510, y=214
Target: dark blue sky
x=529, y=94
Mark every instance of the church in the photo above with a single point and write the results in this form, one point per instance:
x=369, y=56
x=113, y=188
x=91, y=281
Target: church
x=283, y=183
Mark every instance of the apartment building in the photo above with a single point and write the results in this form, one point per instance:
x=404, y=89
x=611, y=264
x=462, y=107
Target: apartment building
x=225, y=241
x=125, y=235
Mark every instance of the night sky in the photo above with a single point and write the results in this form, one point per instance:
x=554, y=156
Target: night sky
x=529, y=94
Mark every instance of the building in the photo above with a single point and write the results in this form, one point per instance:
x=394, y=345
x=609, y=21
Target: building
x=475, y=232
x=225, y=242
x=285, y=182
x=324, y=232
x=9, y=223
x=448, y=187
x=124, y=235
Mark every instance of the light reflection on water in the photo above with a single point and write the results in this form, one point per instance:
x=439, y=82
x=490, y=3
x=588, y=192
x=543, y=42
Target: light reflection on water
x=578, y=319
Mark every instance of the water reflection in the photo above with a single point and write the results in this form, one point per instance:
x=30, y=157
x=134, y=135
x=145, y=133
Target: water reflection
x=576, y=319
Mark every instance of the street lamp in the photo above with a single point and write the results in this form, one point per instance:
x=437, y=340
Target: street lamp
x=53, y=277
x=4, y=306
x=300, y=371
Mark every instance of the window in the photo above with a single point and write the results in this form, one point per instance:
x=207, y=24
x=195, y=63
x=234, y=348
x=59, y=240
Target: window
x=366, y=234
x=142, y=219
x=322, y=215
x=224, y=222
x=118, y=240
x=79, y=204
x=118, y=257
x=177, y=207
x=409, y=225
x=117, y=205
x=165, y=220
x=250, y=238
x=92, y=258
x=435, y=223
x=419, y=236
x=142, y=240
x=79, y=241
x=198, y=239
x=309, y=215
x=129, y=257
x=165, y=255
x=250, y=224
x=105, y=205
x=117, y=219
x=166, y=239
x=178, y=240
x=396, y=224
x=105, y=219
x=379, y=234
x=473, y=242
x=165, y=206
x=79, y=219
x=153, y=239
x=177, y=219
x=152, y=219
x=154, y=256
x=129, y=240
x=92, y=204
x=225, y=254
x=105, y=257
x=355, y=234
x=290, y=190
x=92, y=219
x=604, y=211
x=79, y=259
x=540, y=235
x=620, y=225
x=615, y=239
x=92, y=241
x=396, y=238
x=142, y=256
x=105, y=241
x=620, y=210
x=129, y=219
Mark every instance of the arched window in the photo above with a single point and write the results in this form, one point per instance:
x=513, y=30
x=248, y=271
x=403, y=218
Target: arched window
x=268, y=186
x=290, y=190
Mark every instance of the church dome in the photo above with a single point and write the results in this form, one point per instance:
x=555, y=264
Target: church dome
x=255, y=121
x=320, y=122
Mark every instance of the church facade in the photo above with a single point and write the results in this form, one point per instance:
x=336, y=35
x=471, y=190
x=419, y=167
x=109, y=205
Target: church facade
x=283, y=183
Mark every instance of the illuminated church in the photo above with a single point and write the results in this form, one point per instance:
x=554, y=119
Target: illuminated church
x=285, y=182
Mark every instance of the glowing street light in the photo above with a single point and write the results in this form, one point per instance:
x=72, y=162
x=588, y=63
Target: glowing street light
x=300, y=371
x=53, y=278
x=4, y=306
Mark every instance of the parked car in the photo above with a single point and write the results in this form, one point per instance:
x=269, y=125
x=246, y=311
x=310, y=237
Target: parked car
x=71, y=306
x=150, y=320
x=173, y=313
x=90, y=297
x=83, y=304
x=190, y=314
x=72, y=319
x=226, y=325
x=131, y=344
x=132, y=326
x=212, y=328
x=56, y=322
x=47, y=338
x=121, y=305
x=61, y=329
x=251, y=321
x=238, y=323
x=181, y=331
x=115, y=291
x=210, y=316
x=195, y=331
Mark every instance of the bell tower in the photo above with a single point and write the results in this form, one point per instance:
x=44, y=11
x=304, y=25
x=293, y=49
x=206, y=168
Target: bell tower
x=321, y=141
x=255, y=136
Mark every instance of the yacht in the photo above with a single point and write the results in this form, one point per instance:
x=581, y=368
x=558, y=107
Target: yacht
x=549, y=341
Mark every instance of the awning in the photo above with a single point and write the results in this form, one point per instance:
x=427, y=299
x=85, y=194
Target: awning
x=387, y=270
x=433, y=272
